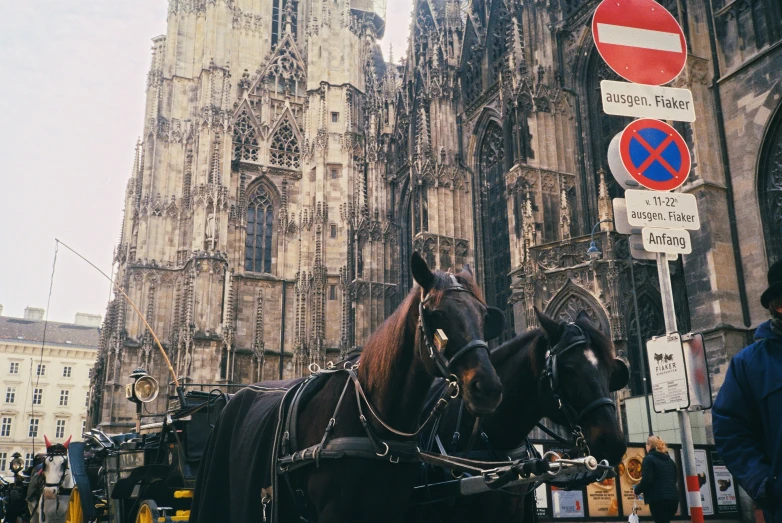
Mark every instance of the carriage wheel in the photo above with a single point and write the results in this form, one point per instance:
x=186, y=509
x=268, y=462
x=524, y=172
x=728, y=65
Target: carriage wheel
x=148, y=513
x=75, y=513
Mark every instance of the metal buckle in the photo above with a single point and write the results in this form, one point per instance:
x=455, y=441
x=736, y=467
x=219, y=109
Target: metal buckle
x=385, y=453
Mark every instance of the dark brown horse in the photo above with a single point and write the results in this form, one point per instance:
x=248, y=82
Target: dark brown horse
x=396, y=371
x=585, y=371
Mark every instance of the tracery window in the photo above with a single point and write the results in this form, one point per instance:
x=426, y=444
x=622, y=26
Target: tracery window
x=770, y=189
x=284, y=150
x=245, y=139
x=496, y=238
x=260, y=221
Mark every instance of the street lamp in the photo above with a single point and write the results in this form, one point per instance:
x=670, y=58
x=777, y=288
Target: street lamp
x=594, y=254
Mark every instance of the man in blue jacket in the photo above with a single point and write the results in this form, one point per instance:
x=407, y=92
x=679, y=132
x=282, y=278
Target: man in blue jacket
x=747, y=414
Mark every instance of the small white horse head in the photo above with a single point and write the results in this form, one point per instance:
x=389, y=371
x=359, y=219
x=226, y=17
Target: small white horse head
x=56, y=472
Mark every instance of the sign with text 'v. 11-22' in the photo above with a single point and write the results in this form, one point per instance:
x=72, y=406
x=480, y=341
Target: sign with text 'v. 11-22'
x=665, y=356
x=647, y=101
x=662, y=209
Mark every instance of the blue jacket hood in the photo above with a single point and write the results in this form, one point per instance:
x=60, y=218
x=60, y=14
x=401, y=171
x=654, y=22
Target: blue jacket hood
x=764, y=332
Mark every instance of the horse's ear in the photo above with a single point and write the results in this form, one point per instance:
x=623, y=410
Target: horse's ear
x=468, y=270
x=494, y=324
x=68, y=442
x=549, y=326
x=422, y=275
x=583, y=317
x=620, y=375
x=46, y=440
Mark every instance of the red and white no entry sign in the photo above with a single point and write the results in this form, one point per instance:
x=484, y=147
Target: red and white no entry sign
x=640, y=40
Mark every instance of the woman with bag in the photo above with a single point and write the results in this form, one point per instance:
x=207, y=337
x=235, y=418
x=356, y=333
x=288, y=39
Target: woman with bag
x=658, y=481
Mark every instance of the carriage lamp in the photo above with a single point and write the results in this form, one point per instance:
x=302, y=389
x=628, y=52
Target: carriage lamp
x=143, y=389
x=17, y=464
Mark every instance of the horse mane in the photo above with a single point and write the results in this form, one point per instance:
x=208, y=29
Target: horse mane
x=382, y=350
x=535, y=341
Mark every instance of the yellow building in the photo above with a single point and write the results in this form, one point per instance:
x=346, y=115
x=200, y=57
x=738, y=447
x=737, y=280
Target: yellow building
x=44, y=387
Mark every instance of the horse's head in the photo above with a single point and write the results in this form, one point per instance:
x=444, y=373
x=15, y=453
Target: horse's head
x=454, y=325
x=55, y=468
x=579, y=370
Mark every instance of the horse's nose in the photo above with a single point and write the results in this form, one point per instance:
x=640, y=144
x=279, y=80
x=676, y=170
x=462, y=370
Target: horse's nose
x=49, y=493
x=486, y=390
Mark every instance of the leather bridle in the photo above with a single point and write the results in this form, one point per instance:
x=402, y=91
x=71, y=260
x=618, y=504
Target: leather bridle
x=572, y=337
x=51, y=452
x=444, y=364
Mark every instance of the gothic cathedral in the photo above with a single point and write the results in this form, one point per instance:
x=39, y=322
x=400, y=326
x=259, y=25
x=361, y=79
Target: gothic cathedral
x=287, y=171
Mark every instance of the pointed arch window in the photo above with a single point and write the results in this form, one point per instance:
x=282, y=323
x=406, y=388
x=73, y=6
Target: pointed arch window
x=245, y=139
x=770, y=189
x=496, y=237
x=260, y=223
x=285, y=151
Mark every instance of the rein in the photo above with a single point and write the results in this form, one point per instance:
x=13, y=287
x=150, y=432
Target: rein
x=550, y=374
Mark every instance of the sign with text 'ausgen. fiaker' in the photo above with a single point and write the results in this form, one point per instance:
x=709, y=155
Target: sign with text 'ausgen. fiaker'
x=662, y=209
x=647, y=101
x=665, y=355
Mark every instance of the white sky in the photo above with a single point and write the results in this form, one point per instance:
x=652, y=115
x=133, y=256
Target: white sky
x=72, y=80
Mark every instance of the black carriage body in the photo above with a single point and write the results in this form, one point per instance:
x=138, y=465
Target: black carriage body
x=116, y=474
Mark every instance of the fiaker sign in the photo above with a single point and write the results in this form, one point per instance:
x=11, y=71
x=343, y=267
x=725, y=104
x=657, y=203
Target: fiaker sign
x=665, y=356
x=647, y=101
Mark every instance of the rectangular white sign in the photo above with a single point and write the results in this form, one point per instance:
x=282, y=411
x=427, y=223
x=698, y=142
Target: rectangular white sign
x=647, y=101
x=637, y=37
x=666, y=370
x=662, y=209
x=620, y=218
x=638, y=252
x=675, y=241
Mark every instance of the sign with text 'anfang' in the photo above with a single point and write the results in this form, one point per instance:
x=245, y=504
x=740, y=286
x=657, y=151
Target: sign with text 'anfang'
x=672, y=241
x=647, y=101
x=637, y=251
x=665, y=356
x=659, y=209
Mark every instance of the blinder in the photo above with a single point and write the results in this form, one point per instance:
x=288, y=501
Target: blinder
x=436, y=342
x=573, y=337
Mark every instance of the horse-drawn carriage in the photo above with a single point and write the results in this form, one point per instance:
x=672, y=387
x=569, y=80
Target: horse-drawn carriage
x=147, y=475
x=344, y=445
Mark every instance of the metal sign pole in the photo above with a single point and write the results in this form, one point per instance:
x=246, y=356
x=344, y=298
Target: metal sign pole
x=688, y=450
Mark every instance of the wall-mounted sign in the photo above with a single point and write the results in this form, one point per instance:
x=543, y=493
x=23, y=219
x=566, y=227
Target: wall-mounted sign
x=567, y=503
x=702, y=471
x=630, y=471
x=602, y=499
x=725, y=486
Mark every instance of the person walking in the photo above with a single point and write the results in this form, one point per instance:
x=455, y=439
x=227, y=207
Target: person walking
x=747, y=414
x=658, y=481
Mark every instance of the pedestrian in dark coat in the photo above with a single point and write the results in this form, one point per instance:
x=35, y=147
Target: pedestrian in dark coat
x=658, y=481
x=747, y=414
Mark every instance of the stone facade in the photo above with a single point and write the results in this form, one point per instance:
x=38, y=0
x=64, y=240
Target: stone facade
x=256, y=216
x=287, y=172
x=522, y=101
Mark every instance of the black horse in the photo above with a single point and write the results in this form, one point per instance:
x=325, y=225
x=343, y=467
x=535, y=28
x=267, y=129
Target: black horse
x=398, y=366
x=561, y=371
